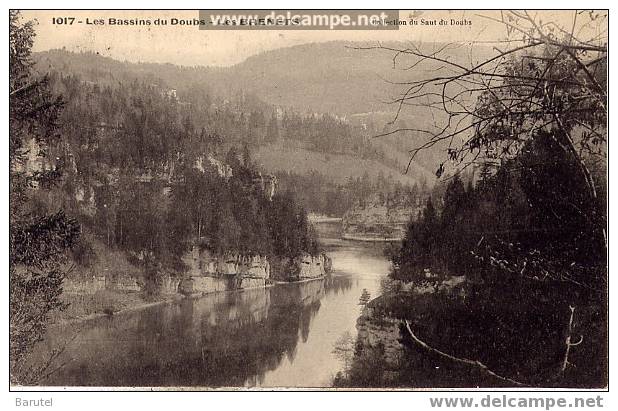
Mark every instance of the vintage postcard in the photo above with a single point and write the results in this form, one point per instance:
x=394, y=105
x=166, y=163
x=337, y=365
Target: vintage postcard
x=308, y=199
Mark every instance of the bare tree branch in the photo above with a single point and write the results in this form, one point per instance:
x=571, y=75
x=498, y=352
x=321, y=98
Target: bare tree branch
x=568, y=343
x=466, y=361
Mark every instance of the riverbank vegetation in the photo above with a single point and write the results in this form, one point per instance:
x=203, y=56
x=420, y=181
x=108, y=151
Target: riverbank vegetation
x=527, y=229
x=124, y=165
x=322, y=196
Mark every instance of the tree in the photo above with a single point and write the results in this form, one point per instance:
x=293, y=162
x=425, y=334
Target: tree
x=272, y=131
x=38, y=240
x=533, y=112
x=549, y=82
x=418, y=247
x=290, y=229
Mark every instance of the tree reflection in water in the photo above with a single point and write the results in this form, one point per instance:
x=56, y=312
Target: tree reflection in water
x=226, y=339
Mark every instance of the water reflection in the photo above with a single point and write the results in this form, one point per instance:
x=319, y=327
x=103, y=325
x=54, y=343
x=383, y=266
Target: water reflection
x=228, y=339
x=274, y=337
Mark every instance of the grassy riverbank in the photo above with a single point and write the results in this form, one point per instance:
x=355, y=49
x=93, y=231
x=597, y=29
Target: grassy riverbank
x=106, y=302
x=81, y=307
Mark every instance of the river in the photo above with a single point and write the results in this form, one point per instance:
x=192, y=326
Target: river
x=282, y=336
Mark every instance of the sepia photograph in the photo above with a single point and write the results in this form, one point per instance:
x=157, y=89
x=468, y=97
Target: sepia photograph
x=338, y=200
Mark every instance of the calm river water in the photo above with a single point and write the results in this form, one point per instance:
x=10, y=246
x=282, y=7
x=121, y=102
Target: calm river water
x=282, y=336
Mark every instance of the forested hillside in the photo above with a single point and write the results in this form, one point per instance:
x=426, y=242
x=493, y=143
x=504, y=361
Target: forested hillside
x=139, y=176
x=236, y=103
x=502, y=278
x=124, y=170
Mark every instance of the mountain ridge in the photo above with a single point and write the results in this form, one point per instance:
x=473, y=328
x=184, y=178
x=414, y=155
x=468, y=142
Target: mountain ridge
x=332, y=77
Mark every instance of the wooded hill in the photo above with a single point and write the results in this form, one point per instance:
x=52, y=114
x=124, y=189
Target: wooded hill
x=298, y=85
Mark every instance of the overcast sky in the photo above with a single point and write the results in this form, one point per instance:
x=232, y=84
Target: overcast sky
x=190, y=46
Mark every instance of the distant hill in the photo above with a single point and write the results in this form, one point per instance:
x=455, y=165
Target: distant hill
x=333, y=77
x=337, y=77
x=338, y=167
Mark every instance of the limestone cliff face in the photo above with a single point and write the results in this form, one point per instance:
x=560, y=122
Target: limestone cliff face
x=303, y=267
x=204, y=263
x=202, y=284
x=209, y=273
x=125, y=283
x=384, y=332
x=376, y=222
x=313, y=266
x=169, y=285
x=89, y=285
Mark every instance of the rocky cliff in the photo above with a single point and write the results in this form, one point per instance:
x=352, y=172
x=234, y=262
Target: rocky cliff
x=313, y=266
x=380, y=331
x=209, y=273
x=206, y=273
x=166, y=284
x=304, y=267
x=376, y=223
x=204, y=263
